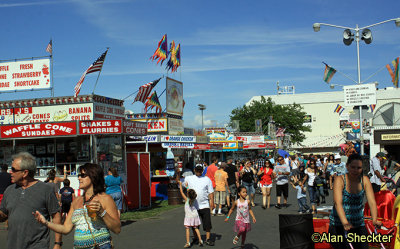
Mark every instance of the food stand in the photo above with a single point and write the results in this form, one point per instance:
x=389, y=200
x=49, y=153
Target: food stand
x=68, y=132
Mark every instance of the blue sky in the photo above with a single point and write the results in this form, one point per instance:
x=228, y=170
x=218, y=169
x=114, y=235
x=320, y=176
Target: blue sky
x=231, y=50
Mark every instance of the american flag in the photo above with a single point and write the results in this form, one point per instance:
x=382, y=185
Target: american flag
x=144, y=91
x=95, y=67
x=49, y=48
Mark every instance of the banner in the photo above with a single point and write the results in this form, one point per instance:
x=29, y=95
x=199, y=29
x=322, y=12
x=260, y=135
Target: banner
x=155, y=125
x=134, y=128
x=100, y=127
x=174, y=97
x=38, y=130
x=25, y=75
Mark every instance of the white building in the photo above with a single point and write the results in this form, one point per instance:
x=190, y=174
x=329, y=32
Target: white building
x=327, y=134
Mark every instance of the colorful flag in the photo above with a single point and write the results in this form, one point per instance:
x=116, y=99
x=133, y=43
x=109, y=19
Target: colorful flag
x=280, y=132
x=394, y=71
x=178, y=57
x=161, y=52
x=95, y=67
x=49, y=48
x=339, y=109
x=152, y=101
x=145, y=90
x=175, y=57
x=372, y=107
x=329, y=72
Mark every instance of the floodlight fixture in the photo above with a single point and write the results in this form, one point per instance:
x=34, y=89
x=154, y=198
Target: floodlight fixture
x=317, y=26
x=366, y=36
x=348, y=37
x=397, y=21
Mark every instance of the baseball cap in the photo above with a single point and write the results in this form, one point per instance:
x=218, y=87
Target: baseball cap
x=380, y=154
x=198, y=166
x=337, y=156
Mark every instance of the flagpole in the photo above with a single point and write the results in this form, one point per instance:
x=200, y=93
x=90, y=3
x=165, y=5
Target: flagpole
x=130, y=95
x=342, y=73
x=52, y=77
x=374, y=74
x=98, y=76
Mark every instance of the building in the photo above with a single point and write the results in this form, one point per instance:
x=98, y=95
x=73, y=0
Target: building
x=330, y=129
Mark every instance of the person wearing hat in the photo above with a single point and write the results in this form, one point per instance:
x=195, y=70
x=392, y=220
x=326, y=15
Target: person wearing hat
x=204, y=200
x=339, y=168
x=376, y=171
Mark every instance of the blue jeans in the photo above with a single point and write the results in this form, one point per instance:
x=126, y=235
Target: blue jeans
x=303, y=207
x=117, y=197
x=106, y=246
x=313, y=195
x=249, y=187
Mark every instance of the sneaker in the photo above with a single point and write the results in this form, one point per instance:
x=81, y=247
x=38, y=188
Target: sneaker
x=187, y=245
x=301, y=212
x=201, y=244
x=278, y=206
x=264, y=207
x=209, y=242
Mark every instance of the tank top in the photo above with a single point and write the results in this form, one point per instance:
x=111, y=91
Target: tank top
x=353, y=208
x=242, y=213
x=83, y=237
x=266, y=178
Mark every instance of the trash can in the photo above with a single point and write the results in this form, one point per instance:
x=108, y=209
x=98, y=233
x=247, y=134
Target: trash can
x=174, y=194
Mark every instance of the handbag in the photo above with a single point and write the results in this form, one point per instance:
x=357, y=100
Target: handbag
x=96, y=246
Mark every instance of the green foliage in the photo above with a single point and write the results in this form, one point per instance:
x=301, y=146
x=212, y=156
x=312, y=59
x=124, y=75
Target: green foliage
x=290, y=117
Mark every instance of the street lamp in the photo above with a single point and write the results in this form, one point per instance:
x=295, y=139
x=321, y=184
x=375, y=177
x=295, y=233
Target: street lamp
x=202, y=108
x=348, y=38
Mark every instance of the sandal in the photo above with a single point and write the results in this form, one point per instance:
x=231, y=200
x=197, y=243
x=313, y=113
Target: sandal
x=187, y=245
x=235, y=240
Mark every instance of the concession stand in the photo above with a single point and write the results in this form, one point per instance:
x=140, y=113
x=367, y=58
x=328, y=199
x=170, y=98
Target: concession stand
x=67, y=132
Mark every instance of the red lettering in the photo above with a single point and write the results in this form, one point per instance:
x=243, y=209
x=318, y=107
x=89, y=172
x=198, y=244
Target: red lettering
x=26, y=66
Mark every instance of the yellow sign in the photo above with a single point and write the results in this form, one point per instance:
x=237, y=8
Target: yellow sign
x=390, y=136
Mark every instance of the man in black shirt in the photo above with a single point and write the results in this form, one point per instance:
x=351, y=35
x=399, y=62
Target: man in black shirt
x=233, y=180
x=5, y=180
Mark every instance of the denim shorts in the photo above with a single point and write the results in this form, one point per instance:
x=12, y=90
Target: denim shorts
x=249, y=187
x=117, y=197
x=106, y=246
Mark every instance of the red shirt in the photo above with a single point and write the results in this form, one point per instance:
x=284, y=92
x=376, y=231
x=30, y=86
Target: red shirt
x=211, y=169
x=266, y=178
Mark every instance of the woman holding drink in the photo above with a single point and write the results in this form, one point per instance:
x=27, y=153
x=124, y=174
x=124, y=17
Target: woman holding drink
x=93, y=215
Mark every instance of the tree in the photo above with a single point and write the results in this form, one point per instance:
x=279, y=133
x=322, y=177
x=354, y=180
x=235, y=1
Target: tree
x=290, y=117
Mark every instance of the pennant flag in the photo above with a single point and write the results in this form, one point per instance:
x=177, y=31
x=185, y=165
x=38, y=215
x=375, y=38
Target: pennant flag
x=152, y=101
x=95, y=67
x=340, y=113
x=372, y=107
x=177, y=57
x=161, y=52
x=145, y=90
x=49, y=48
x=172, y=57
x=280, y=132
x=394, y=71
x=329, y=72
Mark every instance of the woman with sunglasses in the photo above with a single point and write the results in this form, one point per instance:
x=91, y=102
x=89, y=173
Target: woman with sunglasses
x=93, y=215
x=311, y=173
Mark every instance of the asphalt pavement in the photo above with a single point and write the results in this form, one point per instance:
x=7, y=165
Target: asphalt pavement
x=167, y=231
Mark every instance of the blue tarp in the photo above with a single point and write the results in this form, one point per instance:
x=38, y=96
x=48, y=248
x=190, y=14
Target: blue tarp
x=283, y=153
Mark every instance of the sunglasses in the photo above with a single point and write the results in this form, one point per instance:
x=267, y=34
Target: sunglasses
x=16, y=170
x=82, y=175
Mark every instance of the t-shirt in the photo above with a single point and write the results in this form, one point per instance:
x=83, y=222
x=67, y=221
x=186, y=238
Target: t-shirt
x=311, y=177
x=203, y=187
x=232, y=171
x=113, y=184
x=220, y=177
x=66, y=194
x=282, y=179
x=300, y=192
x=376, y=165
x=340, y=169
x=23, y=230
x=5, y=181
x=211, y=169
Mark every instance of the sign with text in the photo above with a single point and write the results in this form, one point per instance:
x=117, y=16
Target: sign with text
x=250, y=139
x=178, y=145
x=359, y=95
x=208, y=146
x=25, y=75
x=6, y=116
x=106, y=111
x=155, y=125
x=38, y=130
x=175, y=126
x=250, y=146
x=100, y=127
x=182, y=139
x=56, y=113
x=134, y=128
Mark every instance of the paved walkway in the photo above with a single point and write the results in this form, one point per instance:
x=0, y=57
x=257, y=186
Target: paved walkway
x=168, y=232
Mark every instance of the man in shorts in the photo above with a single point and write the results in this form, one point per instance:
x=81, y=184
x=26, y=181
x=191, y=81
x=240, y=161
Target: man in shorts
x=204, y=201
x=221, y=186
x=282, y=172
x=233, y=181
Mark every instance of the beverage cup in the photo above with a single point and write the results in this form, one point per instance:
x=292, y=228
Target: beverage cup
x=92, y=213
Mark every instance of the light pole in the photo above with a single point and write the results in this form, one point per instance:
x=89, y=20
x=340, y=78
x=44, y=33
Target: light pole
x=347, y=40
x=202, y=108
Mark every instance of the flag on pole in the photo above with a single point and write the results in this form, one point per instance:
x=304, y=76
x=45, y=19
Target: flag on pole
x=145, y=90
x=372, y=107
x=280, y=132
x=161, y=52
x=49, y=48
x=329, y=72
x=172, y=58
x=95, y=67
x=152, y=101
x=394, y=71
x=178, y=57
x=339, y=109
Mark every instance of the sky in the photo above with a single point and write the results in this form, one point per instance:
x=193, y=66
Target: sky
x=230, y=50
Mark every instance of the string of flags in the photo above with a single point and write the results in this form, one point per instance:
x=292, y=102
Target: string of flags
x=330, y=141
x=372, y=107
x=393, y=69
x=162, y=53
x=339, y=109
